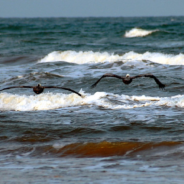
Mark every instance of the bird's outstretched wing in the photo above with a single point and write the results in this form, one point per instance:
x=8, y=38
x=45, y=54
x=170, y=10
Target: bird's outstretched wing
x=161, y=85
x=63, y=88
x=106, y=75
x=16, y=87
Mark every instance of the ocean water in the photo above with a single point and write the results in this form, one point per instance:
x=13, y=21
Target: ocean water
x=114, y=133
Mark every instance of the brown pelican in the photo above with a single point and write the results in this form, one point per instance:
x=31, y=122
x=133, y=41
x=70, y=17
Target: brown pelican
x=39, y=88
x=127, y=79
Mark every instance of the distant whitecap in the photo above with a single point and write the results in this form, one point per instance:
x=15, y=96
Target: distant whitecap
x=138, y=32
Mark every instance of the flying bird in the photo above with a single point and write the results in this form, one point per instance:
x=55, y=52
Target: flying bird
x=127, y=79
x=39, y=88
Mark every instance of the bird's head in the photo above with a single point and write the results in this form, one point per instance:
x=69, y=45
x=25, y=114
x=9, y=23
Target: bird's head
x=39, y=85
x=127, y=75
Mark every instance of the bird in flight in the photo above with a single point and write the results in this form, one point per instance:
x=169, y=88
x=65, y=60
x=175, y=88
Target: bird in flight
x=39, y=88
x=127, y=79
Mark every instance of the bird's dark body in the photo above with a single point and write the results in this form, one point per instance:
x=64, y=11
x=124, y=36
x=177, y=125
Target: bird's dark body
x=38, y=89
x=127, y=81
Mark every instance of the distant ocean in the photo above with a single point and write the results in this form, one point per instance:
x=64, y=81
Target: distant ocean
x=115, y=133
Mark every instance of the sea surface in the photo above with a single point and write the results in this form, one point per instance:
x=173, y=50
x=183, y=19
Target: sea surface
x=114, y=133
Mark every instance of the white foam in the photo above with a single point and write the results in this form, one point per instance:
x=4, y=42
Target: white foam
x=101, y=57
x=130, y=102
x=45, y=101
x=49, y=101
x=174, y=101
x=80, y=57
x=160, y=58
x=138, y=32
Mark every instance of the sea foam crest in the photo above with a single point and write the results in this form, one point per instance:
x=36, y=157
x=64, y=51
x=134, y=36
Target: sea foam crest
x=80, y=57
x=49, y=101
x=100, y=57
x=102, y=99
x=45, y=101
x=138, y=32
x=160, y=58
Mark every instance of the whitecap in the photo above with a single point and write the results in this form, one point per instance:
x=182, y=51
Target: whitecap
x=90, y=57
x=80, y=57
x=138, y=32
x=49, y=101
x=156, y=57
x=45, y=101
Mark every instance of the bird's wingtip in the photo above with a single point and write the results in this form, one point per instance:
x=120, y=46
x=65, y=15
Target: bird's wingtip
x=162, y=86
x=92, y=86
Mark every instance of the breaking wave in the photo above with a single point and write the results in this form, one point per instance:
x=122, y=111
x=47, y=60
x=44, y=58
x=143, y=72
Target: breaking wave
x=88, y=57
x=45, y=101
x=49, y=101
x=138, y=32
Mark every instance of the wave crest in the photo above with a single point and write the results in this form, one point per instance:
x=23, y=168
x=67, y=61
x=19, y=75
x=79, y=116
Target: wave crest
x=106, y=149
x=45, y=101
x=101, y=57
x=49, y=101
x=138, y=32
x=80, y=57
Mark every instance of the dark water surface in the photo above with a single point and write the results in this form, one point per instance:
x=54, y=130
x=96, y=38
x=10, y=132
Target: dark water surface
x=114, y=133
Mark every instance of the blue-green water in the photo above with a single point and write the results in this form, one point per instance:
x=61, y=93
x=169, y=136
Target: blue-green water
x=115, y=133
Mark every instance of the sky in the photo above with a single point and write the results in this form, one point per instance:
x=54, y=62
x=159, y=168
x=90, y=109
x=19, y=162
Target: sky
x=90, y=8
